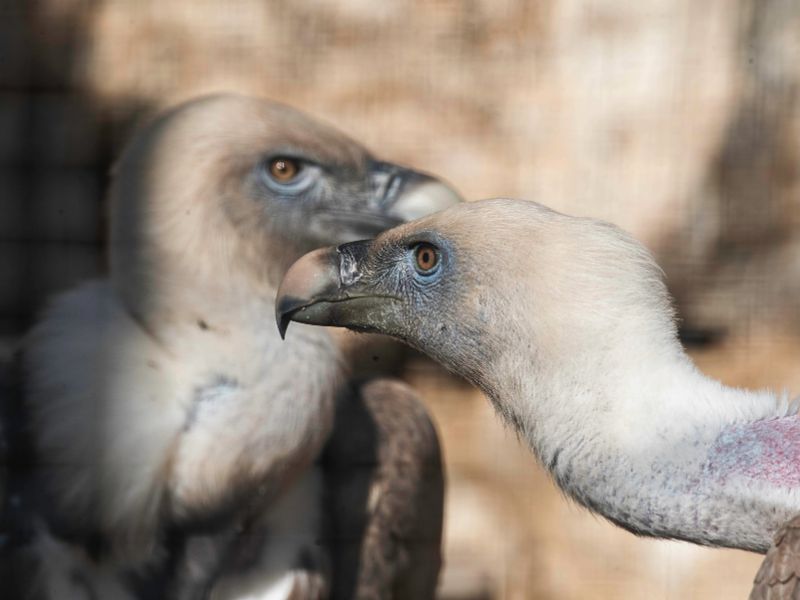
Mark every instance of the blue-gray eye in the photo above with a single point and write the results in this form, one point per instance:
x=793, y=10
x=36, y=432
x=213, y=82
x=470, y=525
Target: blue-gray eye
x=426, y=258
x=284, y=169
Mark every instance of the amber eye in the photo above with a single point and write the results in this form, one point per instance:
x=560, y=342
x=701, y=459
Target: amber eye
x=426, y=257
x=283, y=169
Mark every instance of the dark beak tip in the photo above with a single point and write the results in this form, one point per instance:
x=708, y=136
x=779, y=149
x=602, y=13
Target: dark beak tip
x=284, y=310
x=283, y=325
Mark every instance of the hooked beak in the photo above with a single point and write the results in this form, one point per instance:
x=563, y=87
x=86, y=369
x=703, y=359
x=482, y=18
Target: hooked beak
x=322, y=288
x=407, y=195
x=397, y=195
x=314, y=277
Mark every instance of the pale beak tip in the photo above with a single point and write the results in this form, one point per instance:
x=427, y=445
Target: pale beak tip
x=428, y=197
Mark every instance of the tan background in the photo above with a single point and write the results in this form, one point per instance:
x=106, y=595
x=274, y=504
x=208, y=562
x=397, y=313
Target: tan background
x=677, y=119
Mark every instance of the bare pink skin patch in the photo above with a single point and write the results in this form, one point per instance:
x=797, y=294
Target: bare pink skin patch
x=766, y=451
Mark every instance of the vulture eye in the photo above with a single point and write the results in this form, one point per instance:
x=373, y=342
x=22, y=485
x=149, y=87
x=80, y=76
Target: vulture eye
x=283, y=169
x=426, y=258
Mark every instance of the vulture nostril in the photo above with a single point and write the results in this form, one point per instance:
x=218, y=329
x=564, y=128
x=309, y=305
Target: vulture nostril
x=348, y=270
x=393, y=187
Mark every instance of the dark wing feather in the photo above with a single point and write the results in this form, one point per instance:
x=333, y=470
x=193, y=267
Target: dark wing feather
x=779, y=575
x=385, y=494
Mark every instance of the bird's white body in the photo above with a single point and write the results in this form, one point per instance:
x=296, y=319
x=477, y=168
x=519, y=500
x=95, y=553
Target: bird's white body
x=176, y=424
x=165, y=419
x=293, y=523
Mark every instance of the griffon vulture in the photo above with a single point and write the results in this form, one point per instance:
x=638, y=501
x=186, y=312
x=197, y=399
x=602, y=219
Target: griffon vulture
x=174, y=435
x=566, y=324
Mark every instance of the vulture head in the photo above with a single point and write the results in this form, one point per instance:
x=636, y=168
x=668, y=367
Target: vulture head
x=226, y=191
x=491, y=289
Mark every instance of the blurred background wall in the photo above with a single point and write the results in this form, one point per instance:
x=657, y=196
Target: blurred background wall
x=678, y=120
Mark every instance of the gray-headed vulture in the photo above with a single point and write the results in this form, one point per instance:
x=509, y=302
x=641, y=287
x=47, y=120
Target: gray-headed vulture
x=566, y=324
x=173, y=436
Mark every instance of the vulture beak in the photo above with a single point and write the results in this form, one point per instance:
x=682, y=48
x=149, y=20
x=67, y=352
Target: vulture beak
x=395, y=195
x=324, y=288
x=407, y=195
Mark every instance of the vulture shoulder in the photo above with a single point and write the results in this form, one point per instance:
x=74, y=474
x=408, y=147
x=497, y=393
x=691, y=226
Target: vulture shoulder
x=779, y=575
x=385, y=487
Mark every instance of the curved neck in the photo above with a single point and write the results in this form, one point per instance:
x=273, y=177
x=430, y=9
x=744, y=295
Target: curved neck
x=649, y=442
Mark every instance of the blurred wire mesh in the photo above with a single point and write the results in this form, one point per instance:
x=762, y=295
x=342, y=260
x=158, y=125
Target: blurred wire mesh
x=678, y=120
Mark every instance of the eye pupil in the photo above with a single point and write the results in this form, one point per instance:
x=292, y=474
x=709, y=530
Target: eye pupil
x=426, y=258
x=283, y=169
